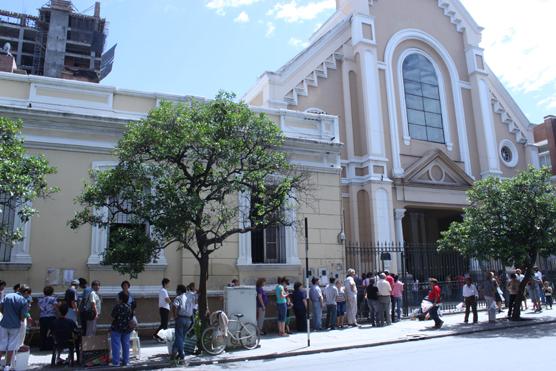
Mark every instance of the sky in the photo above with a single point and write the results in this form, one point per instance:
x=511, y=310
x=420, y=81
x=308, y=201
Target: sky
x=198, y=47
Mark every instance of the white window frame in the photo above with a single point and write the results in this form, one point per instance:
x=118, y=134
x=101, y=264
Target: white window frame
x=442, y=93
x=99, y=235
x=20, y=258
x=513, y=148
x=244, y=257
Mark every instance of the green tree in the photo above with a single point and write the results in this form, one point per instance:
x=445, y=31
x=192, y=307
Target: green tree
x=512, y=220
x=180, y=171
x=22, y=179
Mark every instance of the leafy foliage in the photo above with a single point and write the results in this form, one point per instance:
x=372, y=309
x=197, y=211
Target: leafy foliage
x=508, y=219
x=181, y=169
x=22, y=178
x=512, y=220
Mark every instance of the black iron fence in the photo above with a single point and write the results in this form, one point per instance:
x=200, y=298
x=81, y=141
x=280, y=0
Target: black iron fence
x=416, y=263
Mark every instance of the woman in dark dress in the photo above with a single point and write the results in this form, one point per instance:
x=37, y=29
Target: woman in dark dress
x=299, y=299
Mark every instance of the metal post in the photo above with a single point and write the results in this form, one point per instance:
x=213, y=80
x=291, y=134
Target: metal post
x=307, y=281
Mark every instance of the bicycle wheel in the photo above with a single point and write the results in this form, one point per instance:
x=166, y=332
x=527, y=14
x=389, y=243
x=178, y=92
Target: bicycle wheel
x=213, y=341
x=249, y=336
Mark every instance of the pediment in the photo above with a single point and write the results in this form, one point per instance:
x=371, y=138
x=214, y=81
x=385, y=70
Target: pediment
x=435, y=168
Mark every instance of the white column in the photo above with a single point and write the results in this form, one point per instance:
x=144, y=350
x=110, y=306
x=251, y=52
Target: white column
x=488, y=131
x=533, y=155
x=372, y=102
x=398, y=216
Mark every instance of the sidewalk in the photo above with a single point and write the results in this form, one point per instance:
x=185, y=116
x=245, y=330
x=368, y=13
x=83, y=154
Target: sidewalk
x=154, y=355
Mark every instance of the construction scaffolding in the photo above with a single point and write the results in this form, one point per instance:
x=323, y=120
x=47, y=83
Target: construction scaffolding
x=59, y=42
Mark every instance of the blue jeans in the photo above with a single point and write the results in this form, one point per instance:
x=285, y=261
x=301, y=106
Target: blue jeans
x=182, y=325
x=317, y=315
x=398, y=304
x=120, y=340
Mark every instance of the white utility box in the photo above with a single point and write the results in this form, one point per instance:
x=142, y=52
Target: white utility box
x=241, y=300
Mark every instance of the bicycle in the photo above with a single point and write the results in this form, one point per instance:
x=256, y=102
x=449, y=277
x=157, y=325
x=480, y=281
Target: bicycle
x=214, y=340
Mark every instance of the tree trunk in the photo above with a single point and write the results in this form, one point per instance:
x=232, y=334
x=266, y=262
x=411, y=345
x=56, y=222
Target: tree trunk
x=203, y=279
x=516, y=314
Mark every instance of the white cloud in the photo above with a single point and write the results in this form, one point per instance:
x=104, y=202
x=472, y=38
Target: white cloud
x=270, y=28
x=298, y=43
x=243, y=17
x=548, y=103
x=518, y=42
x=293, y=12
x=221, y=5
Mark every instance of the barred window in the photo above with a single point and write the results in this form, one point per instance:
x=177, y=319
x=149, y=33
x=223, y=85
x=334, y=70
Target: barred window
x=422, y=99
x=268, y=246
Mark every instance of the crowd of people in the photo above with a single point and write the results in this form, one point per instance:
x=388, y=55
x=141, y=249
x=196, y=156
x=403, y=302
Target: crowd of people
x=64, y=319
x=377, y=299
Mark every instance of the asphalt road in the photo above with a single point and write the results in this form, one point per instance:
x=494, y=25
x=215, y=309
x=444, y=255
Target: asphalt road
x=525, y=348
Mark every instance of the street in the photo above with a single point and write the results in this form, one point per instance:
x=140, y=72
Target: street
x=517, y=348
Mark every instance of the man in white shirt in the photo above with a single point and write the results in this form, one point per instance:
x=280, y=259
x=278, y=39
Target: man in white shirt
x=470, y=296
x=330, y=295
x=351, y=298
x=163, y=308
x=384, y=302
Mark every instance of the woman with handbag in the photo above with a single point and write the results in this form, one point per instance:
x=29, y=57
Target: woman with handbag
x=120, y=331
x=92, y=309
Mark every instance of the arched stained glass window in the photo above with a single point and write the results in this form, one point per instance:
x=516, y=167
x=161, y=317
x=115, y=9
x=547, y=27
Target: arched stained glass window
x=422, y=99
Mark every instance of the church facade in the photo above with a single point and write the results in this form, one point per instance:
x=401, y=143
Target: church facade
x=421, y=114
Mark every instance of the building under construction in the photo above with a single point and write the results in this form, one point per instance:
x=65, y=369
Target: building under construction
x=60, y=42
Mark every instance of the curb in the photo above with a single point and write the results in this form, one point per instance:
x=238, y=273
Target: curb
x=201, y=362
x=368, y=345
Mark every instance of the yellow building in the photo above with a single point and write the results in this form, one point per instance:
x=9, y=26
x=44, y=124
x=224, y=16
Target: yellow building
x=76, y=125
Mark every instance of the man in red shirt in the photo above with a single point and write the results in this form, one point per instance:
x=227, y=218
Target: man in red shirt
x=434, y=298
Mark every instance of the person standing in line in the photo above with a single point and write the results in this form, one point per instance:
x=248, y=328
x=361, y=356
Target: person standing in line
x=434, y=297
x=470, y=297
x=351, y=298
x=182, y=309
x=262, y=302
x=299, y=301
x=520, y=278
x=384, y=300
x=537, y=275
x=163, y=308
x=547, y=289
x=93, y=305
x=281, y=306
x=47, y=305
x=397, y=294
x=390, y=279
x=340, y=304
x=15, y=307
x=125, y=285
x=120, y=331
x=315, y=294
x=489, y=288
x=330, y=295
x=372, y=301
x=82, y=303
x=70, y=297
x=289, y=305
x=513, y=290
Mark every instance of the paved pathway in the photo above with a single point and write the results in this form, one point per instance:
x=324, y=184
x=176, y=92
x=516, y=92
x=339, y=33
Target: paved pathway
x=154, y=355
